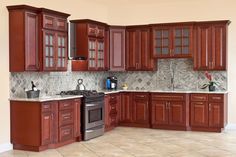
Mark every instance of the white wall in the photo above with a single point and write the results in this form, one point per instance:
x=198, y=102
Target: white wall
x=79, y=9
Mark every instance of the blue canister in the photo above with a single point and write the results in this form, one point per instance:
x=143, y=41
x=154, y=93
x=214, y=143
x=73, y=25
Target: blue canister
x=108, y=83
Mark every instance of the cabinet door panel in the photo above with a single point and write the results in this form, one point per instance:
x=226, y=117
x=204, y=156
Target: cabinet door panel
x=218, y=47
x=31, y=42
x=100, y=54
x=140, y=111
x=216, y=115
x=126, y=107
x=177, y=113
x=62, y=51
x=47, y=128
x=159, y=112
x=107, y=111
x=77, y=125
x=199, y=114
x=117, y=49
x=92, y=54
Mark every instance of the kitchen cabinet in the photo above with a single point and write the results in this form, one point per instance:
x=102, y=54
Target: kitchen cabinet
x=138, y=53
x=126, y=108
x=36, y=126
x=90, y=40
x=208, y=112
x=169, y=111
x=211, y=45
x=112, y=105
x=117, y=48
x=38, y=39
x=173, y=40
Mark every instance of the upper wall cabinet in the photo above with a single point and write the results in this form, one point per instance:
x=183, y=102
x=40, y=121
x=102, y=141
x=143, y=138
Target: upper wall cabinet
x=172, y=40
x=90, y=41
x=117, y=48
x=138, y=52
x=211, y=45
x=37, y=39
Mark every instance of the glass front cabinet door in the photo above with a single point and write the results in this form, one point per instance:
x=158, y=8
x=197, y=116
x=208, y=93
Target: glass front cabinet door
x=49, y=50
x=61, y=51
x=92, y=54
x=100, y=54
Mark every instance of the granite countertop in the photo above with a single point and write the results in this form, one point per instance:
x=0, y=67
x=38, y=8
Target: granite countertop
x=58, y=97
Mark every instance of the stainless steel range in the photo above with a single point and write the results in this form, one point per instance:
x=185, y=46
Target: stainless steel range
x=92, y=116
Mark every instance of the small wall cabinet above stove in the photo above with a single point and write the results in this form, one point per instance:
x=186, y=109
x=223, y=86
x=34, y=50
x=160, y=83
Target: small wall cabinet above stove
x=38, y=39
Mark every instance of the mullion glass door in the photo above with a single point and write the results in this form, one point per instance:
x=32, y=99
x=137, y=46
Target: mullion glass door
x=49, y=51
x=100, y=54
x=61, y=51
x=182, y=41
x=92, y=49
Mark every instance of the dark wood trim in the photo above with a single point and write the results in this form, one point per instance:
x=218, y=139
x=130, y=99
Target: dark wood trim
x=88, y=21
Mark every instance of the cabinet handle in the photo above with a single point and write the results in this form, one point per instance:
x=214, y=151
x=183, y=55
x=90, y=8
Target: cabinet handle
x=209, y=107
x=52, y=116
x=65, y=105
x=67, y=132
x=167, y=105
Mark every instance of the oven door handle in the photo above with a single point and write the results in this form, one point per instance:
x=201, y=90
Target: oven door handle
x=90, y=105
x=88, y=131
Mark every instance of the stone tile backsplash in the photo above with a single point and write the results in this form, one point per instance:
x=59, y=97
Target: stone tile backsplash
x=51, y=83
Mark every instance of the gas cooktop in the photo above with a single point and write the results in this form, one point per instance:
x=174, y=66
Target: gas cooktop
x=85, y=93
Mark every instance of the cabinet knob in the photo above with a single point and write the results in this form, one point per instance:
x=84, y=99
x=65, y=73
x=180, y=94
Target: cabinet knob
x=209, y=107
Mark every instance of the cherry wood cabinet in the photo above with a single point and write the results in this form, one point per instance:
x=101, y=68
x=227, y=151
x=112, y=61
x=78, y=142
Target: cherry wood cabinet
x=170, y=111
x=208, y=112
x=138, y=52
x=126, y=108
x=117, y=48
x=174, y=40
x=211, y=45
x=37, y=126
x=37, y=39
x=90, y=39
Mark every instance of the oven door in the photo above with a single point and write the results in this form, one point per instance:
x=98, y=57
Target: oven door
x=94, y=114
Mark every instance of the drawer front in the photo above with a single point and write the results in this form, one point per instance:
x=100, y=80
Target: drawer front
x=141, y=96
x=66, y=133
x=66, y=104
x=168, y=97
x=61, y=24
x=48, y=21
x=216, y=97
x=113, y=98
x=113, y=120
x=199, y=97
x=48, y=106
x=66, y=117
x=92, y=30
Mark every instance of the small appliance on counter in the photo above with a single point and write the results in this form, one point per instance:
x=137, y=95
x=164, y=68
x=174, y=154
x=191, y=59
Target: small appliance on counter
x=111, y=83
x=80, y=85
x=34, y=92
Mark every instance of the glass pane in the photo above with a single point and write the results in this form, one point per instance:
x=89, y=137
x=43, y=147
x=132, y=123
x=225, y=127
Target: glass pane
x=46, y=62
x=186, y=32
x=63, y=52
x=177, y=50
x=59, y=41
x=165, y=42
x=51, y=62
x=63, y=41
x=51, y=40
x=185, y=50
x=186, y=41
x=158, y=50
x=59, y=52
x=165, y=33
x=59, y=62
x=63, y=62
x=51, y=51
x=46, y=42
x=165, y=50
x=158, y=42
x=177, y=41
x=46, y=51
x=178, y=32
x=158, y=34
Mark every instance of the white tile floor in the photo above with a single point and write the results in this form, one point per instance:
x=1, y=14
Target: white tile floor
x=138, y=142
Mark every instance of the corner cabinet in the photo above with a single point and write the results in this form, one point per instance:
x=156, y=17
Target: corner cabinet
x=38, y=39
x=172, y=40
x=90, y=41
x=211, y=45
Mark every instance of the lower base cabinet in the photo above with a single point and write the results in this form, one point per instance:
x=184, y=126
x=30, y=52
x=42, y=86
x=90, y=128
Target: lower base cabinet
x=37, y=126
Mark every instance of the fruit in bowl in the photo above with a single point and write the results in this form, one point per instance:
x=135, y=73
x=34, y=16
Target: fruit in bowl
x=125, y=86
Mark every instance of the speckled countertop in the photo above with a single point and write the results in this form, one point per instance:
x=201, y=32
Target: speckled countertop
x=58, y=97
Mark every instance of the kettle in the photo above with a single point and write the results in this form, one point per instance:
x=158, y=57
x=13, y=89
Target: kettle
x=80, y=85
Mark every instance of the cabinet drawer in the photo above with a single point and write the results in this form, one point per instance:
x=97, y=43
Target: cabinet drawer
x=169, y=97
x=48, y=106
x=216, y=97
x=48, y=21
x=199, y=97
x=113, y=98
x=141, y=96
x=61, y=24
x=66, y=104
x=66, y=133
x=66, y=117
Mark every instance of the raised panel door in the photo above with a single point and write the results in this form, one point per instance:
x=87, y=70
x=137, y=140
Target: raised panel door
x=177, y=114
x=62, y=54
x=140, y=111
x=202, y=57
x=132, y=49
x=126, y=107
x=77, y=123
x=219, y=48
x=199, y=114
x=47, y=128
x=159, y=113
x=117, y=49
x=107, y=111
x=31, y=42
x=216, y=115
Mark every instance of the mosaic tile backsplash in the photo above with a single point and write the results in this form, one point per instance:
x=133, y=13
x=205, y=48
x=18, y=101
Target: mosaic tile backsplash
x=181, y=70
